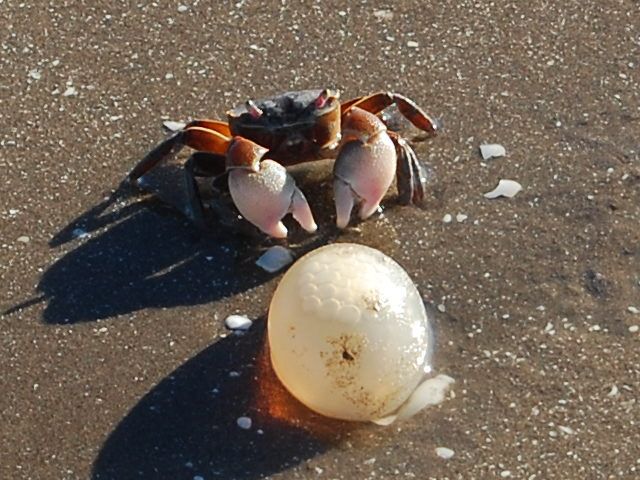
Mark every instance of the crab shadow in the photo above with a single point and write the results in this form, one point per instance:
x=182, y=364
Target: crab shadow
x=136, y=252
x=186, y=426
x=144, y=258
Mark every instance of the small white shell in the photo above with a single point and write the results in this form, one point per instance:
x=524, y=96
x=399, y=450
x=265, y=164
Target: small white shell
x=505, y=188
x=274, y=259
x=238, y=322
x=492, y=150
x=244, y=423
x=445, y=453
x=348, y=332
x=430, y=392
x=173, y=126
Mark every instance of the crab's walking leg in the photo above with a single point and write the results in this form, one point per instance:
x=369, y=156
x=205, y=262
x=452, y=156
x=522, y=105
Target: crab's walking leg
x=365, y=166
x=410, y=174
x=200, y=164
x=377, y=102
x=215, y=125
x=198, y=138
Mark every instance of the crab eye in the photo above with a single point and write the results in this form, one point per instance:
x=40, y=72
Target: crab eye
x=322, y=99
x=253, y=109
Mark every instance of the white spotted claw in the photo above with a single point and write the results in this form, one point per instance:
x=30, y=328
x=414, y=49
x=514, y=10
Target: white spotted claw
x=349, y=334
x=265, y=197
x=363, y=173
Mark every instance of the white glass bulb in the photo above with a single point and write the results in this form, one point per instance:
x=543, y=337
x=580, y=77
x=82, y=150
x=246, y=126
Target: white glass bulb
x=348, y=333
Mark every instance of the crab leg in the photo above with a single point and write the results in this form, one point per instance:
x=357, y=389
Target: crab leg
x=410, y=174
x=200, y=164
x=198, y=138
x=377, y=102
x=216, y=125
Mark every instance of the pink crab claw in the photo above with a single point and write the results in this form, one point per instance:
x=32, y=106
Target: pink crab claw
x=265, y=197
x=363, y=172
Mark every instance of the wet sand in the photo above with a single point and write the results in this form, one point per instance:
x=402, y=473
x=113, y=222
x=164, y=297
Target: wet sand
x=115, y=360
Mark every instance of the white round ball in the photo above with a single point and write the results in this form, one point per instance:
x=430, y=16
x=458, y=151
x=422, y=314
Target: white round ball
x=348, y=332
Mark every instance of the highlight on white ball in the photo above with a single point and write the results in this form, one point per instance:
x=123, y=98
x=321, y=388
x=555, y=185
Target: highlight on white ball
x=349, y=335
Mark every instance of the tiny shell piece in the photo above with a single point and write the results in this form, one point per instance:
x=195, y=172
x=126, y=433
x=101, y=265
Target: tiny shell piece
x=430, y=392
x=505, y=188
x=244, y=423
x=492, y=150
x=274, y=259
x=173, y=126
x=238, y=322
x=445, y=453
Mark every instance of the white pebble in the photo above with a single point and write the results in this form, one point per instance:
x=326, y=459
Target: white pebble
x=238, y=322
x=505, y=188
x=505, y=474
x=182, y=8
x=35, y=74
x=70, y=92
x=461, y=217
x=80, y=233
x=274, y=259
x=244, y=423
x=447, y=218
x=444, y=452
x=492, y=150
x=442, y=308
x=173, y=126
x=613, y=392
x=634, y=328
x=24, y=239
x=412, y=44
x=566, y=430
x=383, y=14
x=633, y=309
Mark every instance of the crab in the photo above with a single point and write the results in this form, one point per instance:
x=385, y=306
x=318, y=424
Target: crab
x=262, y=137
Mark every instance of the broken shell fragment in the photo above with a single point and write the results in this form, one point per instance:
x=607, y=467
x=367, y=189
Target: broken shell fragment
x=492, y=150
x=505, y=188
x=173, y=126
x=430, y=392
x=274, y=259
x=349, y=335
x=238, y=322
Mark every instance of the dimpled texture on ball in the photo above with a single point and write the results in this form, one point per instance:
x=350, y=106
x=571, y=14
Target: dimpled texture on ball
x=348, y=332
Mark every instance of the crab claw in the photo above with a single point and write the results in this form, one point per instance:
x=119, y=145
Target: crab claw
x=265, y=197
x=363, y=172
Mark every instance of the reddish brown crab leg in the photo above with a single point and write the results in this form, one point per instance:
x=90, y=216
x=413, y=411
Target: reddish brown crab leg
x=377, y=102
x=198, y=138
x=215, y=125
